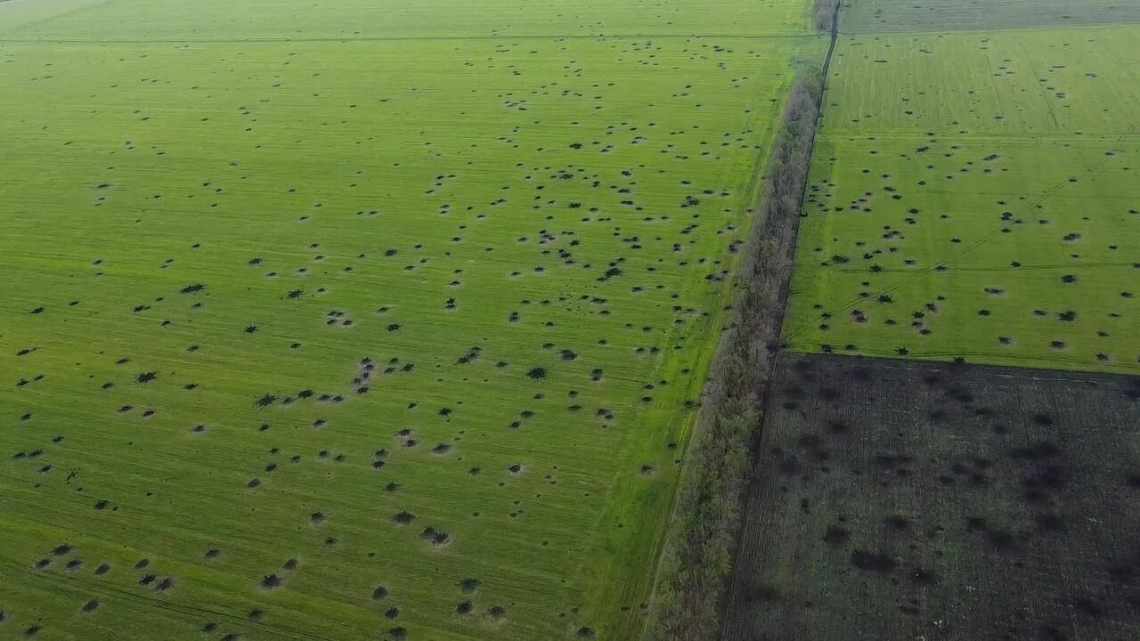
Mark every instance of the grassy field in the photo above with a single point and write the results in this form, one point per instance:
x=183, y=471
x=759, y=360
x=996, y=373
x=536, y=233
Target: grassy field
x=975, y=195
x=352, y=323
x=869, y=16
x=276, y=20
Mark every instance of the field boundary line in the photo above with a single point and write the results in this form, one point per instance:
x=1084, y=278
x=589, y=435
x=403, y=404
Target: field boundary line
x=695, y=571
x=1009, y=362
x=1120, y=380
x=556, y=36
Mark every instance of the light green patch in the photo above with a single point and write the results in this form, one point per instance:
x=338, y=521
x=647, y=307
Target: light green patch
x=976, y=196
x=188, y=229
x=211, y=20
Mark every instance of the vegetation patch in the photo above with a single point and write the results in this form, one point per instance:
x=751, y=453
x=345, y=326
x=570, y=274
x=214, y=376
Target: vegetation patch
x=697, y=560
x=396, y=295
x=924, y=499
x=973, y=196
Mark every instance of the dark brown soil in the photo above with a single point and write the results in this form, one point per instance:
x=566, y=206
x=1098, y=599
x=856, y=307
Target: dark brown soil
x=902, y=501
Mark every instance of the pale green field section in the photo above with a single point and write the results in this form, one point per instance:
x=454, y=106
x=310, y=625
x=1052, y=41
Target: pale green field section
x=214, y=20
x=872, y=16
x=977, y=195
x=392, y=337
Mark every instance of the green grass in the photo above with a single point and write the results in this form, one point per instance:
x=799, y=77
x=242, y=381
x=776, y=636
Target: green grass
x=371, y=180
x=212, y=20
x=871, y=16
x=959, y=181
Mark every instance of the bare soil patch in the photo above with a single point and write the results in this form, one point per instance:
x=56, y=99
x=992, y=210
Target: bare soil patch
x=901, y=500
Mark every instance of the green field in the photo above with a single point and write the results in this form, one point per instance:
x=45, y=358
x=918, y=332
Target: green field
x=275, y=20
x=363, y=320
x=976, y=195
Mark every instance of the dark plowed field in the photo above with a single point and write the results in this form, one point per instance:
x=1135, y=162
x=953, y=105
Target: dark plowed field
x=914, y=501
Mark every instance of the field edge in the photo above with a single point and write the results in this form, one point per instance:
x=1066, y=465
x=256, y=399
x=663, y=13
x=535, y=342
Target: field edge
x=697, y=558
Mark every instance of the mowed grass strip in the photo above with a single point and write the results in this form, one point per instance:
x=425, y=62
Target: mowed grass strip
x=974, y=196
x=385, y=339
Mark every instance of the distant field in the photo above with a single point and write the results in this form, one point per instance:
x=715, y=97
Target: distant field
x=976, y=195
x=866, y=16
x=378, y=338
x=211, y=20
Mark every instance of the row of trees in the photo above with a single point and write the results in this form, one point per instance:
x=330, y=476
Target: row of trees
x=698, y=556
x=826, y=15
